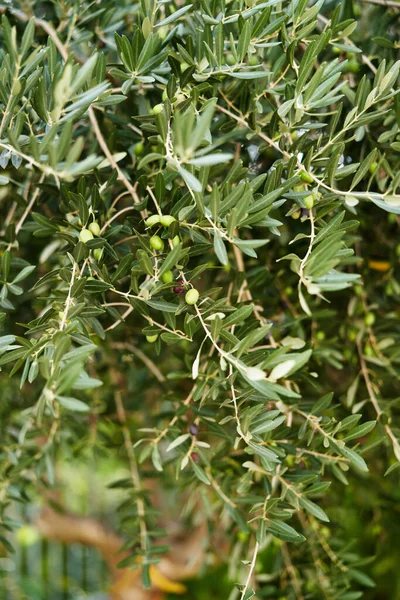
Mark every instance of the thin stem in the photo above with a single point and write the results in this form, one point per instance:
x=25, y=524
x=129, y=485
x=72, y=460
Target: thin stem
x=251, y=570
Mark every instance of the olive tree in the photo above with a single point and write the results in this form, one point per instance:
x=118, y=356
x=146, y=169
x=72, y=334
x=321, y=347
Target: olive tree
x=198, y=268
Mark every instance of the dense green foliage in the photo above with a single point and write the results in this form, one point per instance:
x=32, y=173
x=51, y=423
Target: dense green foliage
x=200, y=276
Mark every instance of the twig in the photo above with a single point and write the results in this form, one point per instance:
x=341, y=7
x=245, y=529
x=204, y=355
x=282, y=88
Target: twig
x=145, y=359
x=29, y=206
x=107, y=153
x=251, y=569
x=389, y=3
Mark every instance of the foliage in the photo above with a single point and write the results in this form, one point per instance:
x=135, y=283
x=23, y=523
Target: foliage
x=199, y=269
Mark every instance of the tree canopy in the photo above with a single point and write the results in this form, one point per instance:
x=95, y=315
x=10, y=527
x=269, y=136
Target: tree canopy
x=200, y=275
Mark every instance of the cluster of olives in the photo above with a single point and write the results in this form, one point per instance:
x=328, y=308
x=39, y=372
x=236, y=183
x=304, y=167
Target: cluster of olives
x=192, y=295
x=165, y=221
x=309, y=200
x=87, y=234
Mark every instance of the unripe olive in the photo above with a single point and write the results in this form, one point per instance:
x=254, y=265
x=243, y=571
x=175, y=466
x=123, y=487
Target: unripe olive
x=152, y=338
x=296, y=214
x=152, y=220
x=191, y=296
x=167, y=277
x=98, y=253
x=176, y=240
x=352, y=66
x=306, y=177
x=184, y=66
x=369, y=351
x=320, y=336
x=157, y=109
x=94, y=228
x=138, y=148
x=373, y=167
x=336, y=50
x=290, y=460
x=164, y=95
x=60, y=315
x=166, y=220
x=352, y=335
x=288, y=290
x=299, y=188
x=243, y=536
x=85, y=235
x=389, y=290
x=358, y=290
x=253, y=60
x=309, y=201
x=156, y=242
x=230, y=59
x=369, y=319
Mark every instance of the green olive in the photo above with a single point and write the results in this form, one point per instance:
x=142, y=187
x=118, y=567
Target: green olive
x=352, y=335
x=352, y=66
x=306, y=177
x=358, y=290
x=176, y=240
x=253, y=61
x=290, y=460
x=94, y=228
x=309, y=201
x=85, y=235
x=192, y=296
x=320, y=336
x=167, y=277
x=166, y=220
x=156, y=242
x=98, y=253
x=157, y=109
x=152, y=338
x=230, y=59
x=165, y=95
x=373, y=167
x=138, y=148
x=152, y=220
x=296, y=214
x=369, y=319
